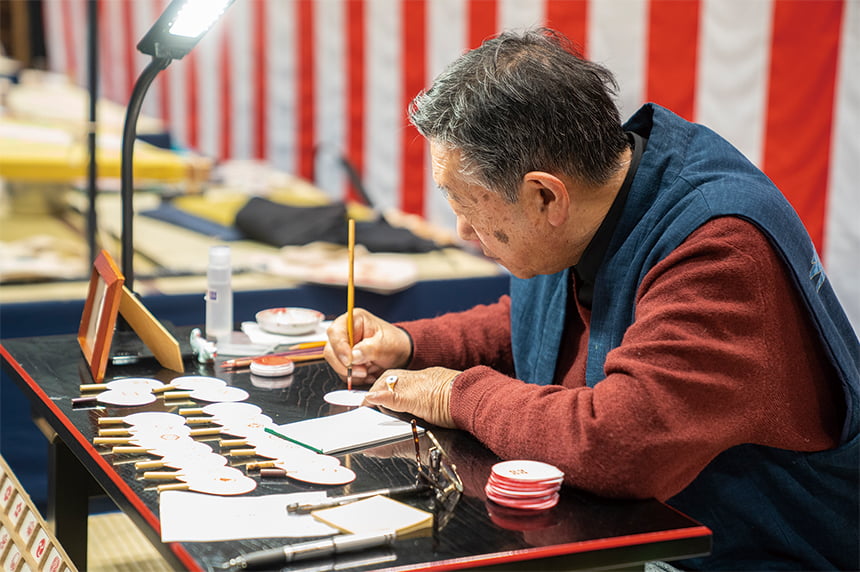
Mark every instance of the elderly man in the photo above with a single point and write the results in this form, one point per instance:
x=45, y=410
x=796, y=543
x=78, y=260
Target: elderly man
x=669, y=332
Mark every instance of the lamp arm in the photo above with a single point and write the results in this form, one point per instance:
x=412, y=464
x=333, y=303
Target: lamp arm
x=129, y=133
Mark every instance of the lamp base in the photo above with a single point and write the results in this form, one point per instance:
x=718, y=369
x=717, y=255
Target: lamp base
x=127, y=348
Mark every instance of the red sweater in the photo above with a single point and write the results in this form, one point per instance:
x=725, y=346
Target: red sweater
x=721, y=353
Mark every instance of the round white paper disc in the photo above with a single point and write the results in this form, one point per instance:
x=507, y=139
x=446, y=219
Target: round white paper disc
x=167, y=439
x=162, y=418
x=345, y=397
x=156, y=428
x=193, y=462
x=220, y=394
x=526, y=471
x=231, y=410
x=184, y=448
x=221, y=482
x=126, y=397
x=202, y=473
x=246, y=427
x=533, y=492
x=192, y=382
x=526, y=504
x=322, y=475
x=134, y=383
x=164, y=442
x=146, y=431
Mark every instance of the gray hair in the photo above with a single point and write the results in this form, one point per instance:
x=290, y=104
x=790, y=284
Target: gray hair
x=522, y=102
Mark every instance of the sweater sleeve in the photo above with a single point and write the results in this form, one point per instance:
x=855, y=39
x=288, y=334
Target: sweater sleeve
x=461, y=340
x=721, y=352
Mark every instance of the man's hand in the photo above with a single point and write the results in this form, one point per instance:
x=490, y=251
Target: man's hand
x=424, y=393
x=378, y=346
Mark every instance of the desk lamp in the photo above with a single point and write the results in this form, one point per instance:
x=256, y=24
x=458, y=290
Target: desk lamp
x=173, y=35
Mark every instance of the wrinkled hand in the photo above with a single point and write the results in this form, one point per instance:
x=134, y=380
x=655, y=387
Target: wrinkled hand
x=378, y=346
x=424, y=393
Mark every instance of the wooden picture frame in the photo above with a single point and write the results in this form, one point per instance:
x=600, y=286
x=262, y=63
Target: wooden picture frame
x=100, y=312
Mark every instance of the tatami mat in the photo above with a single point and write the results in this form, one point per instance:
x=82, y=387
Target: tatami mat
x=116, y=545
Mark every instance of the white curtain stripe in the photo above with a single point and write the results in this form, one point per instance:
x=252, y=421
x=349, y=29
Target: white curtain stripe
x=383, y=97
x=447, y=37
x=731, y=87
x=238, y=26
x=617, y=39
x=520, y=14
x=330, y=93
x=842, y=232
x=282, y=126
x=211, y=104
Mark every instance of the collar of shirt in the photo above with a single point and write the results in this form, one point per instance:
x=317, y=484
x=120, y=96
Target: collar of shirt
x=585, y=272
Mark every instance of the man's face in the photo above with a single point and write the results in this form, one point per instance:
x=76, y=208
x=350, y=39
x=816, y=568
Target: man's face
x=505, y=232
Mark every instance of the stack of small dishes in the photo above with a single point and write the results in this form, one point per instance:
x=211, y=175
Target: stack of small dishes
x=289, y=321
x=528, y=485
x=272, y=366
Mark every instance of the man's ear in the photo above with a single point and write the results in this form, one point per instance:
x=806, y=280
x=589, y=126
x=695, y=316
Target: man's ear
x=548, y=195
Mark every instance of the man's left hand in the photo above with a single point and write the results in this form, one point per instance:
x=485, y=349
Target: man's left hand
x=424, y=393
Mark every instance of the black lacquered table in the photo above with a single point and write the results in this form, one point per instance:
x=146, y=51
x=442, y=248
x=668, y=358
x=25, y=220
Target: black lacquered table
x=581, y=532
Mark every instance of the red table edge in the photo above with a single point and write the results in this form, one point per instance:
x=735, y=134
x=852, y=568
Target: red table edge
x=144, y=511
x=700, y=531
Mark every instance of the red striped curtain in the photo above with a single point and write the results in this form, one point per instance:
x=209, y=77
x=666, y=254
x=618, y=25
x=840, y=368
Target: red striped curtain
x=299, y=82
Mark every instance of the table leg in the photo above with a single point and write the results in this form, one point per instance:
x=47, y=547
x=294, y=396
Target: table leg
x=69, y=486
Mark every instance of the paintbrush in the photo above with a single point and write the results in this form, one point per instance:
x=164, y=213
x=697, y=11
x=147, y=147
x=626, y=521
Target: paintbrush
x=350, y=300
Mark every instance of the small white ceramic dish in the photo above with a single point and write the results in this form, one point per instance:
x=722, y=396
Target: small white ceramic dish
x=289, y=321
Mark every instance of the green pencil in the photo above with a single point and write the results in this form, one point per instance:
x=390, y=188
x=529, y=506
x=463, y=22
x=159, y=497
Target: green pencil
x=291, y=440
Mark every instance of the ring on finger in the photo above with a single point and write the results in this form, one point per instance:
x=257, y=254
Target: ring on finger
x=390, y=382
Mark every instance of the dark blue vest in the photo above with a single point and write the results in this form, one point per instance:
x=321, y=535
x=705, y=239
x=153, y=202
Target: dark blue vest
x=768, y=508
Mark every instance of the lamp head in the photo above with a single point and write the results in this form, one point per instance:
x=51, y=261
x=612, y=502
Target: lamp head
x=180, y=27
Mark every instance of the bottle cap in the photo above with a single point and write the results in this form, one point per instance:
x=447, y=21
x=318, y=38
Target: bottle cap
x=219, y=255
x=219, y=265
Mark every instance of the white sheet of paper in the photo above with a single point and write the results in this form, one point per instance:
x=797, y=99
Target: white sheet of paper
x=195, y=517
x=360, y=427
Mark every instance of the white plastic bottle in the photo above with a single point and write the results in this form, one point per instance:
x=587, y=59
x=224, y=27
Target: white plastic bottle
x=219, y=295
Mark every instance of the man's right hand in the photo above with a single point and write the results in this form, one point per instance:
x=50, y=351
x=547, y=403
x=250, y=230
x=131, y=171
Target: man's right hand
x=378, y=346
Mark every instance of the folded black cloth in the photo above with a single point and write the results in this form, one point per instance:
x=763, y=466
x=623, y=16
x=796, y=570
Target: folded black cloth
x=284, y=225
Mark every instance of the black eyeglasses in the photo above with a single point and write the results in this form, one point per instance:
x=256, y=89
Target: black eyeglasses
x=440, y=473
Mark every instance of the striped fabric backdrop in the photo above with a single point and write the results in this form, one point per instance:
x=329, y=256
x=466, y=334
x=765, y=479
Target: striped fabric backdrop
x=301, y=82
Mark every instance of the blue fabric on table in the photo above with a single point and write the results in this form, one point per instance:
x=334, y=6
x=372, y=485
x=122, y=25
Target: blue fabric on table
x=166, y=212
